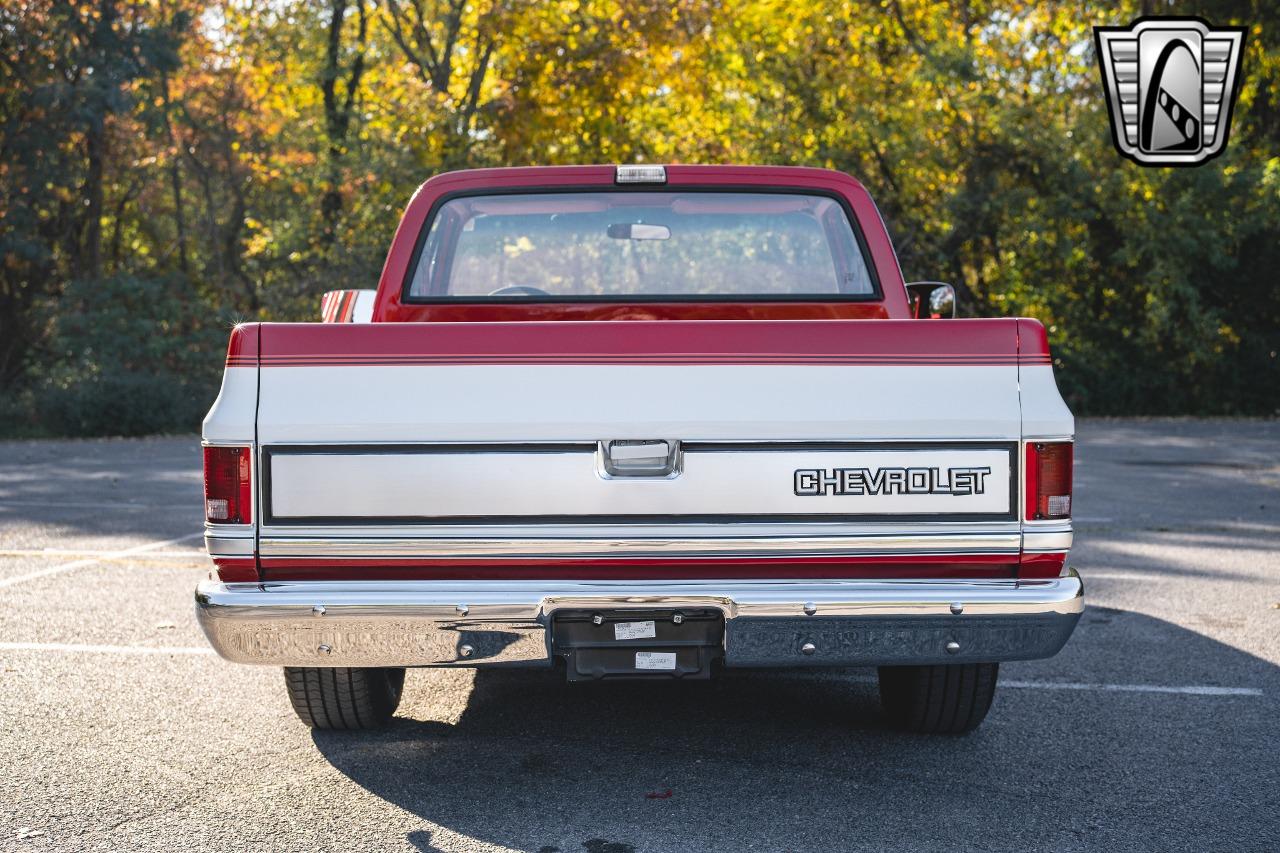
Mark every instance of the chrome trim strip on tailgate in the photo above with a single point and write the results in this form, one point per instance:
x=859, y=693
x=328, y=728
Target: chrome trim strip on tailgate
x=1047, y=537
x=441, y=623
x=221, y=544
x=1047, y=541
x=450, y=547
x=336, y=486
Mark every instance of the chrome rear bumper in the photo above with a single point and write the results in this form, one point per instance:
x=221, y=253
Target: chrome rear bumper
x=767, y=623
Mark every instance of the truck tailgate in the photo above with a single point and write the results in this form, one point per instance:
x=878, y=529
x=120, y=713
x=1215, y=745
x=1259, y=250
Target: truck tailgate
x=381, y=444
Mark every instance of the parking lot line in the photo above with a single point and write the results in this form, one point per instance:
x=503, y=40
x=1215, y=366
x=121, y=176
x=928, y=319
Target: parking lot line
x=112, y=555
x=108, y=650
x=70, y=552
x=84, y=505
x=1086, y=575
x=1188, y=690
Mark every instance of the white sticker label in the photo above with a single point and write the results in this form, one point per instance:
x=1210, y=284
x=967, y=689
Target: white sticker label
x=634, y=630
x=655, y=660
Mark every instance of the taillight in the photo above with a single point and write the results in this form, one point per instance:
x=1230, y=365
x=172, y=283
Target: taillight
x=1049, y=479
x=226, y=485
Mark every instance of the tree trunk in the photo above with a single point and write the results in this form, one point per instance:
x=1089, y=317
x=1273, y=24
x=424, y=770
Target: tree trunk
x=175, y=183
x=95, y=149
x=337, y=112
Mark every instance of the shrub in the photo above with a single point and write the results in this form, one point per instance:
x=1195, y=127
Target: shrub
x=131, y=356
x=121, y=404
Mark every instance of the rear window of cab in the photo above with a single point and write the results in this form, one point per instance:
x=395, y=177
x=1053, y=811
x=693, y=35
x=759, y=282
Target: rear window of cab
x=650, y=245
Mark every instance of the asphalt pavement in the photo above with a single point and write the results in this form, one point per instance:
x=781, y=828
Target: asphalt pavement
x=1157, y=728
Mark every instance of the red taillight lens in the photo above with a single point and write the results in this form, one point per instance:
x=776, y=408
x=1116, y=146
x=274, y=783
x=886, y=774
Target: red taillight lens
x=226, y=485
x=1049, y=479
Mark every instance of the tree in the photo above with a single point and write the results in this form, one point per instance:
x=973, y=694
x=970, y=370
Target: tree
x=450, y=44
x=66, y=75
x=234, y=159
x=339, y=103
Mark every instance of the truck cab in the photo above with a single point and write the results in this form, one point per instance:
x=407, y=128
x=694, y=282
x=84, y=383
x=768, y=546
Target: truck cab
x=640, y=422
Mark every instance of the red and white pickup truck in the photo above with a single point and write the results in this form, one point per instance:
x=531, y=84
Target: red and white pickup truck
x=640, y=422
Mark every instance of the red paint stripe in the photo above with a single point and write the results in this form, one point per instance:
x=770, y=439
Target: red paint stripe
x=1041, y=565
x=836, y=342
x=799, y=357
x=393, y=571
x=526, y=312
x=1033, y=340
x=458, y=362
x=242, y=349
x=970, y=338
x=694, y=354
x=923, y=566
x=681, y=357
x=815, y=342
x=348, y=304
x=236, y=569
x=606, y=563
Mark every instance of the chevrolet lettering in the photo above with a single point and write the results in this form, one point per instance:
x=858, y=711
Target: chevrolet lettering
x=891, y=481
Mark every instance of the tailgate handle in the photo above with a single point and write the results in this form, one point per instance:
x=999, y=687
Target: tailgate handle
x=638, y=458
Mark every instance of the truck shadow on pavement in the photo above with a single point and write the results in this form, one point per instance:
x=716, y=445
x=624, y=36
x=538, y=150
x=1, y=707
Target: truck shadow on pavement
x=800, y=760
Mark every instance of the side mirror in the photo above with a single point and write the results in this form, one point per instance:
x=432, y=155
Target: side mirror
x=931, y=300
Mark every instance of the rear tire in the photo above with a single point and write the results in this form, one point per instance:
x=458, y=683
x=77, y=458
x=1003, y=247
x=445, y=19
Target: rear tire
x=344, y=698
x=939, y=699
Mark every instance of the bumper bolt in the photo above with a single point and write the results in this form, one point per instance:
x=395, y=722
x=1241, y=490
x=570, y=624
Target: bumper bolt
x=957, y=608
x=953, y=647
x=810, y=608
x=808, y=649
x=677, y=618
x=324, y=649
x=318, y=610
x=466, y=651
x=597, y=619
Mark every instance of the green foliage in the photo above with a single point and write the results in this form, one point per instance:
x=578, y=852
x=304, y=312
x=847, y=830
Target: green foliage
x=68, y=73
x=165, y=167
x=129, y=356
x=120, y=404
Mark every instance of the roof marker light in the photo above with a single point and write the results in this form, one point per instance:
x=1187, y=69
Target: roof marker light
x=641, y=175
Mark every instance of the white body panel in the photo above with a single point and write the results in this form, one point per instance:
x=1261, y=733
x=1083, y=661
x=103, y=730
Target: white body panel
x=506, y=403
x=1044, y=414
x=230, y=420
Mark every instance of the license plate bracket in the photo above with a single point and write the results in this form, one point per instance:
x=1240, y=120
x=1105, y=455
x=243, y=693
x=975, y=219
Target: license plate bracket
x=619, y=643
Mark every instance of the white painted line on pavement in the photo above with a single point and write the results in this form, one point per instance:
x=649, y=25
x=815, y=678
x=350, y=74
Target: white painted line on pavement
x=1185, y=690
x=88, y=505
x=1188, y=690
x=110, y=650
x=101, y=555
x=80, y=564
x=1086, y=576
